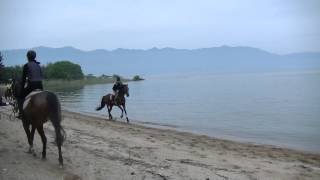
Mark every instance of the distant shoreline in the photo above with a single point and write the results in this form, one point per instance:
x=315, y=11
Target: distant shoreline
x=75, y=83
x=59, y=84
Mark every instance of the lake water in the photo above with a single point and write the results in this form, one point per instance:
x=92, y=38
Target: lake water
x=281, y=109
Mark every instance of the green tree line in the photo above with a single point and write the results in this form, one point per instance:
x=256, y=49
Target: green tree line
x=61, y=70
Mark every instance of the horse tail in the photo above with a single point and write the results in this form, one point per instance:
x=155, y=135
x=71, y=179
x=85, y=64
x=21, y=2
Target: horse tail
x=55, y=117
x=101, y=105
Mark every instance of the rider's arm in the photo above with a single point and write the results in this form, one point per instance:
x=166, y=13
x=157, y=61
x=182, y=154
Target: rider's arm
x=114, y=88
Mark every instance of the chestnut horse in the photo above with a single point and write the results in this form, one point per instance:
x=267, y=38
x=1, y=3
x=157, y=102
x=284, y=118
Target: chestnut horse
x=109, y=100
x=42, y=106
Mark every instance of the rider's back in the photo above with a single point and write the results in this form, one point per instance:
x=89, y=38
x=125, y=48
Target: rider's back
x=33, y=71
x=117, y=86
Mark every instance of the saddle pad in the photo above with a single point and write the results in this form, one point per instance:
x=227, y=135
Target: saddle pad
x=27, y=99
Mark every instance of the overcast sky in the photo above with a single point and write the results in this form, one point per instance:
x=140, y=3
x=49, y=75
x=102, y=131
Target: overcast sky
x=281, y=26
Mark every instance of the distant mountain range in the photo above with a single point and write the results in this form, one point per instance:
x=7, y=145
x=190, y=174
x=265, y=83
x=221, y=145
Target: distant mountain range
x=222, y=59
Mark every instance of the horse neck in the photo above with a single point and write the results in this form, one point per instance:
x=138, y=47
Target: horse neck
x=16, y=90
x=121, y=94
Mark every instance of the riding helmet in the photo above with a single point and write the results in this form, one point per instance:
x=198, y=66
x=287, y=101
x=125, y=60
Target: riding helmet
x=31, y=55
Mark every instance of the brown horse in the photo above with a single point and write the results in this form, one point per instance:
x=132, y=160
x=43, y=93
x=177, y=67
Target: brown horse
x=109, y=100
x=41, y=107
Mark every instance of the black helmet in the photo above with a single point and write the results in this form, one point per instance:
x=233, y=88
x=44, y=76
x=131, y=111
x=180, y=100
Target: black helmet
x=118, y=78
x=31, y=55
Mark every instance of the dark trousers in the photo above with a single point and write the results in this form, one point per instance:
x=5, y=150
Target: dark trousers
x=30, y=87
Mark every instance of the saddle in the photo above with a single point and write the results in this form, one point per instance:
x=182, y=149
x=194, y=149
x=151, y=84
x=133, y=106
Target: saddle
x=28, y=97
x=114, y=100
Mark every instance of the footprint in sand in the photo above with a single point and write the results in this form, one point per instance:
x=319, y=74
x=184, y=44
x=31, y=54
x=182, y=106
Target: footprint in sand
x=71, y=177
x=236, y=167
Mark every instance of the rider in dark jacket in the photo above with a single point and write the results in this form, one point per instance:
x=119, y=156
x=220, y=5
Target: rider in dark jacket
x=117, y=88
x=32, y=74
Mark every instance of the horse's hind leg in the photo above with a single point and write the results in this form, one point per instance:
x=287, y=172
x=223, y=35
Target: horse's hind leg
x=27, y=130
x=109, y=112
x=59, y=143
x=44, y=141
x=33, y=129
x=125, y=111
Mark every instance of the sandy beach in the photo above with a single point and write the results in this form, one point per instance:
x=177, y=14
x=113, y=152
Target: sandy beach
x=97, y=148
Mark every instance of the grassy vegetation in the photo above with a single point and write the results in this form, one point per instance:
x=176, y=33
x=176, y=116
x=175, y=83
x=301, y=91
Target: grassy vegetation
x=63, y=84
x=59, y=84
x=79, y=82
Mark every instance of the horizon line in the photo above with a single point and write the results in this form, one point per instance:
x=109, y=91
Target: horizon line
x=157, y=48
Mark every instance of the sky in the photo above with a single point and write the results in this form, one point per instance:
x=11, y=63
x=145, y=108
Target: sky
x=279, y=26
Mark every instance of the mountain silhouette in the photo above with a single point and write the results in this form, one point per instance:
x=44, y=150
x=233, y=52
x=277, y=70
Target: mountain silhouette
x=222, y=59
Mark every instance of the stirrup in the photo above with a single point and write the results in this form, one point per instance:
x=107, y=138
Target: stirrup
x=19, y=116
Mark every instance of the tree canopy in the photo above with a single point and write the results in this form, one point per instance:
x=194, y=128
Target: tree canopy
x=59, y=70
x=137, y=78
x=1, y=61
x=2, y=72
x=63, y=70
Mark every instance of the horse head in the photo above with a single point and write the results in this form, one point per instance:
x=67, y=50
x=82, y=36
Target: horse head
x=126, y=90
x=16, y=87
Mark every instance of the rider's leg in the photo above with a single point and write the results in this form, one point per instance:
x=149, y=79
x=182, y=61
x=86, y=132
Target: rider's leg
x=20, y=107
x=20, y=101
x=24, y=93
x=116, y=97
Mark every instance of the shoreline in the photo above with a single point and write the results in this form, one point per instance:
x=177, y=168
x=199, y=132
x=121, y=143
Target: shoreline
x=198, y=133
x=176, y=130
x=97, y=148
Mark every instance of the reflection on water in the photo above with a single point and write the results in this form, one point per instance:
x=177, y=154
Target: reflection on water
x=275, y=108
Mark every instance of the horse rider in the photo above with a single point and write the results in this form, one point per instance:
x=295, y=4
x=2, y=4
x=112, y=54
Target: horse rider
x=117, y=87
x=32, y=74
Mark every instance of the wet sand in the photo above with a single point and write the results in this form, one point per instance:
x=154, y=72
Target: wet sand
x=97, y=148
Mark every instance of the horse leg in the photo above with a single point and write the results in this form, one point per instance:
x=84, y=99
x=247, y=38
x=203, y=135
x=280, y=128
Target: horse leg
x=109, y=111
x=44, y=141
x=125, y=111
x=31, y=150
x=119, y=106
x=27, y=130
x=59, y=143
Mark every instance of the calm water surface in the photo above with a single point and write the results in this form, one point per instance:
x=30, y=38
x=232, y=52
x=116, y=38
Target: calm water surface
x=272, y=108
